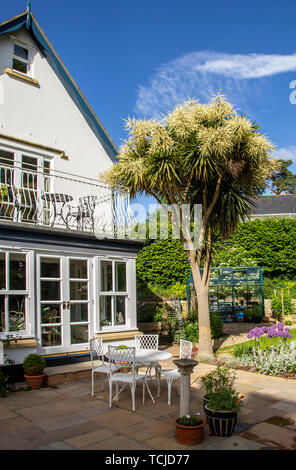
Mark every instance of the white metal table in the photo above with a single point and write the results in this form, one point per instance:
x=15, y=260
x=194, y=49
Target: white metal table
x=148, y=356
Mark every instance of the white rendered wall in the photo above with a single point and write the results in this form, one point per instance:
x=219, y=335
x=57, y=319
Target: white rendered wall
x=46, y=114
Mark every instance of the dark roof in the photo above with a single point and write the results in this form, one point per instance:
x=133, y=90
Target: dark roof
x=59, y=68
x=273, y=204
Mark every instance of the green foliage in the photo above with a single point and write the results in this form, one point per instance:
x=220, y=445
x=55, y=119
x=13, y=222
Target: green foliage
x=283, y=180
x=34, y=364
x=271, y=242
x=233, y=256
x=264, y=344
x=3, y=192
x=163, y=263
x=190, y=420
x=225, y=400
x=4, y=386
x=191, y=328
x=277, y=304
x=219, y=379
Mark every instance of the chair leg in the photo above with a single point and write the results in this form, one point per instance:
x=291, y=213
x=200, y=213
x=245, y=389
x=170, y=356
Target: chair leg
x=102, y=383
x=92, y=383
x=158, y=376
x=110, y=393
x=133, y=390
x=144, y=386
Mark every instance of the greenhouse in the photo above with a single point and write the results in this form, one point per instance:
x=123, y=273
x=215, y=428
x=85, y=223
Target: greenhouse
x=236, y=293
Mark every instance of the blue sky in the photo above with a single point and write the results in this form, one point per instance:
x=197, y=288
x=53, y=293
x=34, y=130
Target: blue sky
x=135, y=58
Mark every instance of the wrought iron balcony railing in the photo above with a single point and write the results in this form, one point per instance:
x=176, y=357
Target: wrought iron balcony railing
x=43, y=197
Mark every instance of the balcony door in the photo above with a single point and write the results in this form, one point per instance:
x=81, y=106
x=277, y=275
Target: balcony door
x=65, y=300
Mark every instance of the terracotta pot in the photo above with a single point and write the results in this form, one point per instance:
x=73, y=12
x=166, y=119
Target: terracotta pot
x=189, y=435
x=35, y=381
x=221, y=423
x=194, y=352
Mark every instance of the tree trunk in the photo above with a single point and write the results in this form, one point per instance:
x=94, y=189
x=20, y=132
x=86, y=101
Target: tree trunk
x=202, y=293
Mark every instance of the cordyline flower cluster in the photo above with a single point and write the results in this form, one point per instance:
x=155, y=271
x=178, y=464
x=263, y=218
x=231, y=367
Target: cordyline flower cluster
x=275, y=331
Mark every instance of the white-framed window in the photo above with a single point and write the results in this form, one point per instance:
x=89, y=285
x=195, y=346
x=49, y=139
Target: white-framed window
x=113, y=294
x=21, y=59
x=14, y=291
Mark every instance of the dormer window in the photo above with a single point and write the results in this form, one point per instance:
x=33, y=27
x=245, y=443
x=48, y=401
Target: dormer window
x=20, y=62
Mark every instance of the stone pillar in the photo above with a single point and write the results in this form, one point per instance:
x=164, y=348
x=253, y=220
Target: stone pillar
x=185, y=367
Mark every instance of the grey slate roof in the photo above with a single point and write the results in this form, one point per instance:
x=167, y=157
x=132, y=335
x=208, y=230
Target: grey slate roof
x=283, y=204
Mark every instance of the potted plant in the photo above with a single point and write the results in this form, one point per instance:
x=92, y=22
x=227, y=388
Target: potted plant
x=126, y=365
x=33, y=366
x=189, y=429
x=219, y=379
x=222, y=410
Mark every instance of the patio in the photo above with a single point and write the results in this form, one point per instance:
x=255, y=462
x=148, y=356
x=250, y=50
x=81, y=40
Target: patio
x=66, y=416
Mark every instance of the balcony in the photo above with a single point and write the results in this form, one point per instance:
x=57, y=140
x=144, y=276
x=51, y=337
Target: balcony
x=39, y=196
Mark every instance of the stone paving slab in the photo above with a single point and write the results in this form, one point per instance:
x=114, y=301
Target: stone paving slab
x=68, y=417
x=234, y=443
x=271, y=435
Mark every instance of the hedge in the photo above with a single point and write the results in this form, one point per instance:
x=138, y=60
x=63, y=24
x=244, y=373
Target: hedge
x=163, y=263
x=271, y=241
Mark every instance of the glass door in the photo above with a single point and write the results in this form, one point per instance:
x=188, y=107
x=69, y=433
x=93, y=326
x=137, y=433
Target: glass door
x=64, y=304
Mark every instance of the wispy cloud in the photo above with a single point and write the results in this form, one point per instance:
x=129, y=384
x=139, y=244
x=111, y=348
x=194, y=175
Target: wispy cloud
x=202, y=74
x=285, y=153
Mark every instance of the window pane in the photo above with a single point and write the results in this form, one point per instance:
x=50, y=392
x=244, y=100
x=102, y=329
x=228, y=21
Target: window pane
x=17, y=312
x=51, y=313
x=120, y=277
x=106, y=311
x=2, y=272
x=21, y=52
x=17, y=271
x=79, y=312
x=106, y=276
x=78, y=269
x=51, y=336
x=78, y=290
x=119, y=310
x=50, y=290
x=19, y=66
x=79, y=334
x=50, y=268
x=2, y=313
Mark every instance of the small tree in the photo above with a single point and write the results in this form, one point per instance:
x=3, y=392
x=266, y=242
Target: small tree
x=198, y=154
x=283, y=180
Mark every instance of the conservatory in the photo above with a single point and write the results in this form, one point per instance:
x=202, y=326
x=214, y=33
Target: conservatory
x=235, y=293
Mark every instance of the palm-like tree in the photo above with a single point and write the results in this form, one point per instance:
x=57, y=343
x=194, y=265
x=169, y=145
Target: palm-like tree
x=198, y=154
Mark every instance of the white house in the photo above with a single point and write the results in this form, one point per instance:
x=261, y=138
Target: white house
x=67, y=272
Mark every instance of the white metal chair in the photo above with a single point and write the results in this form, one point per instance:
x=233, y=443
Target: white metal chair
x=119, y=359
x=149, y=342
x=96, y=353
x=171, y=374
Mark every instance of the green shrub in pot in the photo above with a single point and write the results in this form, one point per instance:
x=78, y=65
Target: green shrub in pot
x=34, y=365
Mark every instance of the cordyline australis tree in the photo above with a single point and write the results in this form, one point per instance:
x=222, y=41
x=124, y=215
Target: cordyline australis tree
x=198, y=154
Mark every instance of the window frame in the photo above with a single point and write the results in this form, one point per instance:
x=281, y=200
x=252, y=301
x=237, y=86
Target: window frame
x=8, y=292
x=28, y=61
x=113, y=294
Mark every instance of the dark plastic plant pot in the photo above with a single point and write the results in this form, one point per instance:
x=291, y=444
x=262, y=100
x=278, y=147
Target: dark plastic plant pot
x=189, y=435
x=221, y=423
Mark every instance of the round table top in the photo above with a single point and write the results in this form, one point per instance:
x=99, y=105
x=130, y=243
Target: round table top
x=150, y=355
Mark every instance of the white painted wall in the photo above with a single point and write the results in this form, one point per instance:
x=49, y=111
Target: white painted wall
x=46, y=114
